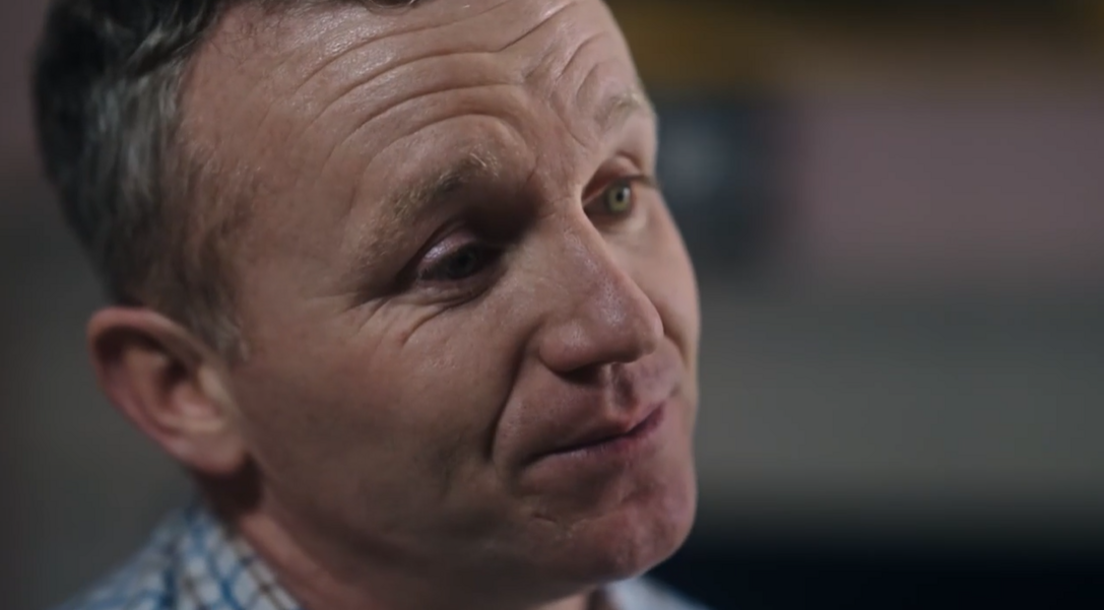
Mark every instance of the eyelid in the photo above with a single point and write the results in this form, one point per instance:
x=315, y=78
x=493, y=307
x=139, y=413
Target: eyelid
x=644, y=180
x=441, y=251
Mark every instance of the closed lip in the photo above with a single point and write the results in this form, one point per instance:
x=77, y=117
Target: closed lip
x=606, y=430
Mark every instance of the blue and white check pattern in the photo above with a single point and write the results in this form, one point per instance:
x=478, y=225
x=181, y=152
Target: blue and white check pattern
x=193, y=562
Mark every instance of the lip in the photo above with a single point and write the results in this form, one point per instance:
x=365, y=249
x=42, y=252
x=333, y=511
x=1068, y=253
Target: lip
x=612, y=439
x=556, y=429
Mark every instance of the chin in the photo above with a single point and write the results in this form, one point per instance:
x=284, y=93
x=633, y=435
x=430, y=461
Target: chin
x=627, y=540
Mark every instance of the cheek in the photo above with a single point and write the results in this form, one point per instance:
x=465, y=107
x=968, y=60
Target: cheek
x=663, y=270
x=333, y=422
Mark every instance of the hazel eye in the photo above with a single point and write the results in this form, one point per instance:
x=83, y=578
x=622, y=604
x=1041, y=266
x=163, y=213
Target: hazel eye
x=619, y=198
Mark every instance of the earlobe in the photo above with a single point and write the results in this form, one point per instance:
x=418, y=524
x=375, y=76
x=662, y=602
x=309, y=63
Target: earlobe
x=170, y=385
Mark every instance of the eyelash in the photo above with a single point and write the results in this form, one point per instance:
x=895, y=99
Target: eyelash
x=438, y=272
x=628, y=182
x=488, y=254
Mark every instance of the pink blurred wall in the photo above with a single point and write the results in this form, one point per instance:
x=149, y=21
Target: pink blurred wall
x=929, y=174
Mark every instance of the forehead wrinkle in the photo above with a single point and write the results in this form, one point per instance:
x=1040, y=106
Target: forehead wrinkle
x=612, y=113
x=396, y=55
x=612, y=110
x=248, y=35
x=575, y=54
x=441, y=82
x=608, y=116
x=238, y=36
x=426, y=87
x=335, y=152
x=361, y=43
x=546, y=19
x=371, y=79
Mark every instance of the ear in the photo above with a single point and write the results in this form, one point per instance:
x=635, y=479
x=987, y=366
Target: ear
x=170, y=385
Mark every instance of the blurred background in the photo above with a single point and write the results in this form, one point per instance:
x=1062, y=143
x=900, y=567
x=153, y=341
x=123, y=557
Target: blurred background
x=897, y=213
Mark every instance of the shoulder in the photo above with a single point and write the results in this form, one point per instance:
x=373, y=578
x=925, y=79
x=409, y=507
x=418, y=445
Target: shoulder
x=646, y=594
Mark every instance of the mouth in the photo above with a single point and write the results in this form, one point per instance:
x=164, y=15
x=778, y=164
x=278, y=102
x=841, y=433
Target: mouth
x=613, y=440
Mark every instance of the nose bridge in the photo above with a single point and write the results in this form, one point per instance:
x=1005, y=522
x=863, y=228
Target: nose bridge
x=598, y=313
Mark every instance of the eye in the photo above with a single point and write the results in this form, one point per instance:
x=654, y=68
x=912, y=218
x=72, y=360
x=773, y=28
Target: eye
x=619, y=199
x=465, y=262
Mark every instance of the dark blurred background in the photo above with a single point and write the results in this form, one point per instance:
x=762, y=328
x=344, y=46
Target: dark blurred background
x=897, y=211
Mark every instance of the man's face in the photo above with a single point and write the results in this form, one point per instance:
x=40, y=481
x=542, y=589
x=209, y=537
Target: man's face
x=456, y=282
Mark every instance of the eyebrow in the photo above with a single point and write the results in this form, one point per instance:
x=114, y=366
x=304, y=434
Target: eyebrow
x=425, y=194
x=619, y=108
x=437, y=187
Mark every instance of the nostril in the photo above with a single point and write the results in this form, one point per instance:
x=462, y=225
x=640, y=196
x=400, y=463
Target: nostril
x=589, y=375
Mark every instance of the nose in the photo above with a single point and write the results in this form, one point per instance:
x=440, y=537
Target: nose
x=598, y=314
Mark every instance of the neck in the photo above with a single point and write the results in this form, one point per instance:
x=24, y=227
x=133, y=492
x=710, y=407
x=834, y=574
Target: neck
x=320, y=579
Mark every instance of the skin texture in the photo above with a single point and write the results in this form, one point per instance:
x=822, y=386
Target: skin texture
x=454, y=262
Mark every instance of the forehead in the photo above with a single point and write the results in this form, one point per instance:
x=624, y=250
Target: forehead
x=336, y=69
x=336, y=101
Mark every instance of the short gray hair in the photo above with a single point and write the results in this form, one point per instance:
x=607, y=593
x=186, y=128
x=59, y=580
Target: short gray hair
x=107, y=87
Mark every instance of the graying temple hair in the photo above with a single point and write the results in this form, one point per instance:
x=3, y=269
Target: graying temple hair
x=107, y=88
